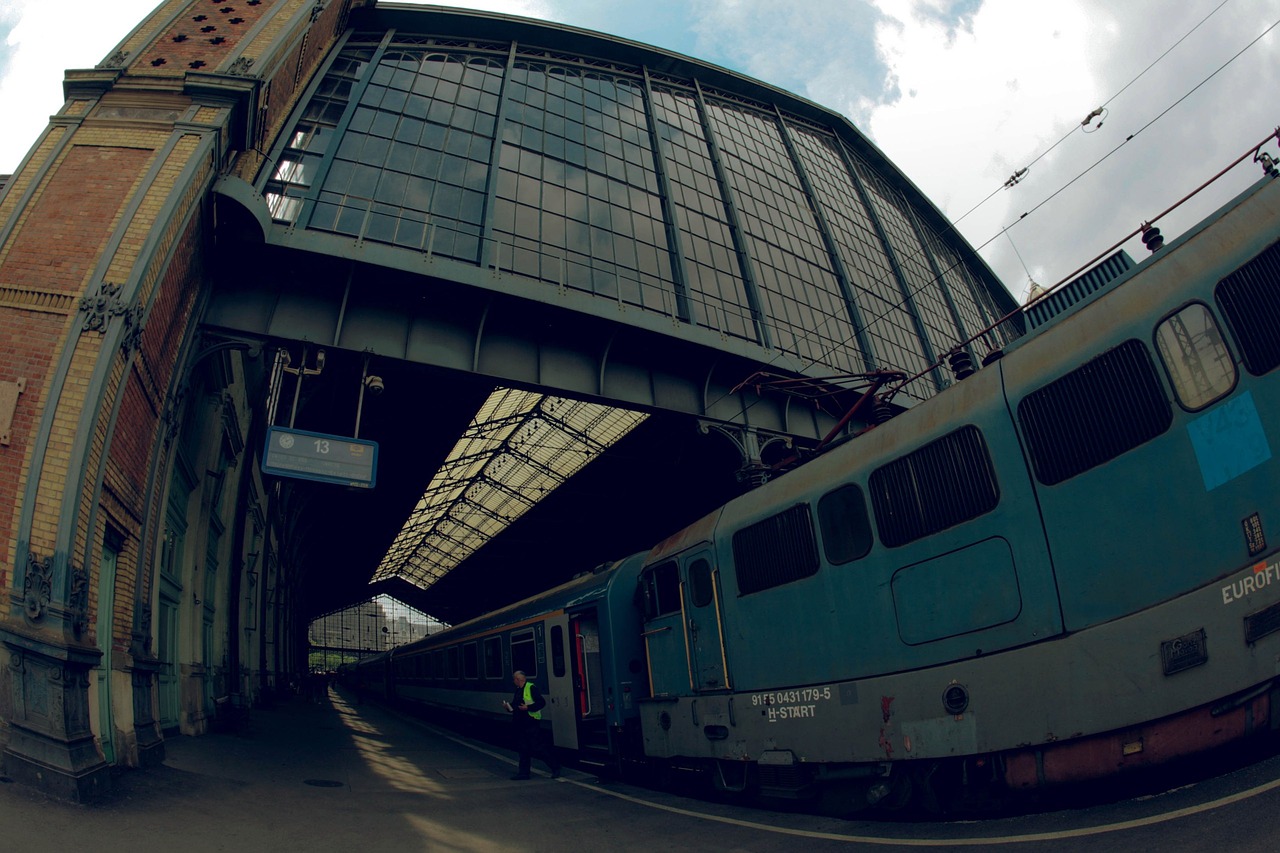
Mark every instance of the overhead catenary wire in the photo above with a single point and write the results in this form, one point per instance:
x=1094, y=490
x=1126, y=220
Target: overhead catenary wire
x=952, y=225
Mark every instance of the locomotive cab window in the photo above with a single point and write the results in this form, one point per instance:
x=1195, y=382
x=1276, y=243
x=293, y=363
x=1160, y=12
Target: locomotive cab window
x=700, y=583
x=661, y=587
x=846, y=529
x=1195, y=357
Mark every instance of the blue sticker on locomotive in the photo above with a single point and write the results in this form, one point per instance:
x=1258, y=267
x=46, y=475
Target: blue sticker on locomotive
x=1229, y=441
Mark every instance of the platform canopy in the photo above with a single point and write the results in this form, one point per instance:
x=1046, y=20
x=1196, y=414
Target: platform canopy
x=520, y=447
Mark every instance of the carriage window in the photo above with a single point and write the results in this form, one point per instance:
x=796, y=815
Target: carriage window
x=493, y=657
x=846, y=530
x=451, y=662
x=700, y=583
x=1197, y=361
x=661, y=589
x=778, y=550
x=942, y=484
x=557, y=650
x=471, y=661
x=1103, y=408
x=524, y=656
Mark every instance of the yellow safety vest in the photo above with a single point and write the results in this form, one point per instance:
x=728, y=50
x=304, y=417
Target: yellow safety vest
x=528, y=700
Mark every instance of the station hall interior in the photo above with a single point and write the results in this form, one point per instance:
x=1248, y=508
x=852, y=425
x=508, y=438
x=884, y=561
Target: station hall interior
x=577, y=291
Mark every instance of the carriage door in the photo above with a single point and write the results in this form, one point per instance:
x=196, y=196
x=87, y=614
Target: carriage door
x=588, y=680
x=559, y=687
x=705, y=635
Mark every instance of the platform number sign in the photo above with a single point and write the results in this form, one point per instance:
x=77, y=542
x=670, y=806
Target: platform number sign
x=318, y=456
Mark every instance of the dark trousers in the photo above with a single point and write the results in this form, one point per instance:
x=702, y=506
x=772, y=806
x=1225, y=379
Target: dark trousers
x=531, y=741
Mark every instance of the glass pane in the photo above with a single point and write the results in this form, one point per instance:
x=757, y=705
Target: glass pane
x=1195, y=357
x=846, y=530
x=700, y=583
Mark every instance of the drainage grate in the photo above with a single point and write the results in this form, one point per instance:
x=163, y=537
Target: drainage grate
x=322, y=783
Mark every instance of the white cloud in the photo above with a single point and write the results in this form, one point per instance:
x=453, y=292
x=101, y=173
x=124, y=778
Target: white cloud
x=977, y=105
x=47, y=38
x=50, y=36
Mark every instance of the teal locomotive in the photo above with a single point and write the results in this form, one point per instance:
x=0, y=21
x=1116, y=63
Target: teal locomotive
x=1060, y=568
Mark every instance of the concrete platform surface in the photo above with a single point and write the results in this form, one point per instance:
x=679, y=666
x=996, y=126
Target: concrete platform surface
x=338, y=776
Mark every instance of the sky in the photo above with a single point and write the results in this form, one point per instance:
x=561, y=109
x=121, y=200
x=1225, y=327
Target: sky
x=960, y=94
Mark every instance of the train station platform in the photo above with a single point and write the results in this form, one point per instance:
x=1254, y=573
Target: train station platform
x=336, y=775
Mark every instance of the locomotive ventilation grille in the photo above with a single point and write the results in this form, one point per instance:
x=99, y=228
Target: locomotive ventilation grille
x=940, y=485
x=1260, y=624
x=1071, y=294
x=1093, y=414
x=1250, y=300
x=775, y=551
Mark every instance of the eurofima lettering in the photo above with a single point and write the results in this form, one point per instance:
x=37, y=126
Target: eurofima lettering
x=1260, y=577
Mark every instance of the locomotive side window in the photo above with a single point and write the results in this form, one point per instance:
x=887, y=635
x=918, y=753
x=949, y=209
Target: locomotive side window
x=661, y=589
x=846, y=530
x=700, y=583
x=524, y=656
x=775, y=551
x=471, y=660
x=945, y=482
x=1105, y=407
x=1250, y=302
x=493, y=657
x=1199, y=366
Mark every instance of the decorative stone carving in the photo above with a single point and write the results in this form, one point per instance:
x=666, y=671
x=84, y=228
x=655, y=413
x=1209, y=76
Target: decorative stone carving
x=317, y=10
x=144, y=623
x=173, y=414
x=37, y=586
x=102, y=307
x=132, y=330
x=116, y=60
x=79, y=600
x=241, y=66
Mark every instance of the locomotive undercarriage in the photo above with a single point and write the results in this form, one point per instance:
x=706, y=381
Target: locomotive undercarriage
x=976, y=784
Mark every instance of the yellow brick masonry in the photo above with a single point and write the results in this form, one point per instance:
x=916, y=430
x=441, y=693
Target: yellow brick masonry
x=23, y=179
x=121, y=269
x=53, y=472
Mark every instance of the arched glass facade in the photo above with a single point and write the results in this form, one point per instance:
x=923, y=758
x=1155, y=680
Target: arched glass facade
x=659, y=192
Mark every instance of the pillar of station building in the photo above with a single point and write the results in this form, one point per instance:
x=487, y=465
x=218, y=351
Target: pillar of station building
x=141, y=588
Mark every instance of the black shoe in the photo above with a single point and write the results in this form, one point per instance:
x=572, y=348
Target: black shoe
x=520, y=776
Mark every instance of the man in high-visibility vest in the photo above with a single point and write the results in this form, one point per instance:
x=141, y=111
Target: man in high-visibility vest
x=526, y=710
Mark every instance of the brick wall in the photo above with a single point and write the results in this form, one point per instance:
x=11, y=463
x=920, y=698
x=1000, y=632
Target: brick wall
x=44, y=269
